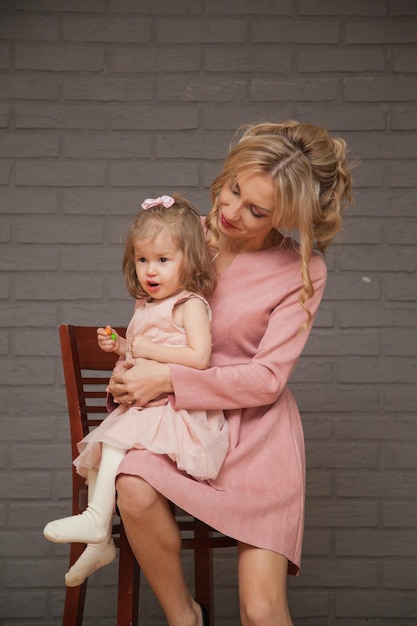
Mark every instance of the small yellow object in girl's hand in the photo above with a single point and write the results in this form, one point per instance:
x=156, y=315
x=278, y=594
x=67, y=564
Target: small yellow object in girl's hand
x=112, y=335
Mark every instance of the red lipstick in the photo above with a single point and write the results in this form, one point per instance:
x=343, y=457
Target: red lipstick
x=225, y=223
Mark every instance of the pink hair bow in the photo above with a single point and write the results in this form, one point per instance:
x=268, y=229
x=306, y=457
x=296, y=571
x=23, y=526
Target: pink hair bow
x=165, y=201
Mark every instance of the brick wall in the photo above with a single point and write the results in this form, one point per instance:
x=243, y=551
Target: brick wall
x=104, y=102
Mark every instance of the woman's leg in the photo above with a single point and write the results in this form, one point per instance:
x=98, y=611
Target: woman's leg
x=94, y=524
x=155, y=539
x=262, y=587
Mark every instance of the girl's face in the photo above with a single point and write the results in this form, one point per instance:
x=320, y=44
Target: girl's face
x=157, y=263
x=246, y=210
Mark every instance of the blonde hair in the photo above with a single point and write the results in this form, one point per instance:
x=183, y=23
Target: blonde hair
x=183, y=223
x=312, y=178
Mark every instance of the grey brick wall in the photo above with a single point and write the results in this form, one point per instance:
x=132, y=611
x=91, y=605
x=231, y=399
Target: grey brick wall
x=104, y=102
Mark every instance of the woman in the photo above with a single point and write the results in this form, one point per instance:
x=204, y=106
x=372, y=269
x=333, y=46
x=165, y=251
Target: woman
x=277, y=179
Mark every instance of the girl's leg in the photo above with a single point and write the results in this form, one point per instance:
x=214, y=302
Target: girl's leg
x=155, y=540
x=94, y=524
x=95, y=555
x=262, y=587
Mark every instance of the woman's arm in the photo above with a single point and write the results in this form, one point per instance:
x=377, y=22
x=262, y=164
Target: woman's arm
x=257, y=382
x=260, y=380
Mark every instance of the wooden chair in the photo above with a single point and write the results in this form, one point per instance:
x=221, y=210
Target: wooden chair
x=86, y=372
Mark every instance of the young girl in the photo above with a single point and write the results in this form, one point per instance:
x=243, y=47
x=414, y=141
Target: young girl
x=169, y=271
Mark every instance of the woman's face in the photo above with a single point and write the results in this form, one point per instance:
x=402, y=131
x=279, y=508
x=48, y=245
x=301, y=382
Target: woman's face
x=246, y=210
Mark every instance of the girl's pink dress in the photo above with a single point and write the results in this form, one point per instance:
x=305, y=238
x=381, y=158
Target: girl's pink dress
x=258, y=496
x=197, y=440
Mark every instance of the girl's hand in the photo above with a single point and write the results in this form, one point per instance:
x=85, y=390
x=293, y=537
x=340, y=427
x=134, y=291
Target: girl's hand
x=142, y=347
x=108, y=339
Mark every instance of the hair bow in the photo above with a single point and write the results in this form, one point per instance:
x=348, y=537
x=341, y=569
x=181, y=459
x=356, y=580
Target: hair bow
x=165, y=201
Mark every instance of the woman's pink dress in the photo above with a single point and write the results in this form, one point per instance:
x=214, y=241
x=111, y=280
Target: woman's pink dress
x=258, y=496
x=196, y=440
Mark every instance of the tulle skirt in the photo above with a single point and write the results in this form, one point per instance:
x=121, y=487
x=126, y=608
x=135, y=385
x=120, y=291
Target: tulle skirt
x=196, y=440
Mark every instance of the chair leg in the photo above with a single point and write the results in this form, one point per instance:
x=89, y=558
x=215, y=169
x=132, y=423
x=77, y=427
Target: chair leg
x=75, y=596
x=129, y=578
x=203, y=574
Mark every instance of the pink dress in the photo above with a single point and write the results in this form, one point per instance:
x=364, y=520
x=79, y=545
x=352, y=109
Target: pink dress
x=258, y=496
x=197, y=440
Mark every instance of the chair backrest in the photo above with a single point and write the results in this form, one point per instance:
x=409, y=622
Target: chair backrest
x=87, y=370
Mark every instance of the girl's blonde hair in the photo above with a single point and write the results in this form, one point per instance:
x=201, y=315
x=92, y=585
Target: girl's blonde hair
x=312, y=178
x=183, y=223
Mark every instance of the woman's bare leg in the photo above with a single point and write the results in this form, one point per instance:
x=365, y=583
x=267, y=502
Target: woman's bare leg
x=262, y=587
x=155, y=539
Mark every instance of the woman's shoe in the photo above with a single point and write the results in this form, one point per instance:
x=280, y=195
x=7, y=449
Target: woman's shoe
x=204, y=614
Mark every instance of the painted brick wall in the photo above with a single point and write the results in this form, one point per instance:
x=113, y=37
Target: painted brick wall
x=104, y=102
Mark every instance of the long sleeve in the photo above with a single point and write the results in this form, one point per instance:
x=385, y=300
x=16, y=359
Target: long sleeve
x=260, y=365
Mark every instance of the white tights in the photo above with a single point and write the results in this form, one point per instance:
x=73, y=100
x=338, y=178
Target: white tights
x=94, y=525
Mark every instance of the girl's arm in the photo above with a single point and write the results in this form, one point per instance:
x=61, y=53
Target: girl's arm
x=192, y=315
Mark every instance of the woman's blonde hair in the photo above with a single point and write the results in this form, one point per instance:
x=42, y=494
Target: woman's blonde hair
x=313, y=184
x=183, y=223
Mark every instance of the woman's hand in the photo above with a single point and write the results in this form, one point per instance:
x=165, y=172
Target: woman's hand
x=141, y=382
